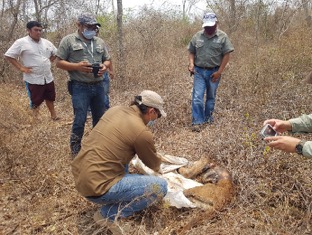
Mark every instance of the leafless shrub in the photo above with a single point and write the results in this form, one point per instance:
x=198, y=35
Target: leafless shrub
x=263, y=80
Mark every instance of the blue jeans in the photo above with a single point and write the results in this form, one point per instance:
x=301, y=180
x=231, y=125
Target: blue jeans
x=106, y=81
x=202, y=112
x=83, y=96
x=131, y=194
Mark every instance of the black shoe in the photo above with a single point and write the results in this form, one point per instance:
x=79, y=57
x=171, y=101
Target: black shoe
x=196, y=128
x=75, y=145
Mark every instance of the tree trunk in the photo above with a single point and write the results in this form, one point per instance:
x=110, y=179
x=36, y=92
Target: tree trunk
x=121, y=55
x=232, y=15
x=306, y=12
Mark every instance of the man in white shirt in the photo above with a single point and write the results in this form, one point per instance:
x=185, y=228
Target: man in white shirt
x=32, y=55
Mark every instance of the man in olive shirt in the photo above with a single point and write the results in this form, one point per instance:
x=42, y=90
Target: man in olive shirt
x=78, y=53
x=209, y=53
x=101, y=168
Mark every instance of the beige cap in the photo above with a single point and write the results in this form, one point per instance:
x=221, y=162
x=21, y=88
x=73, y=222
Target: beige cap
x=308, y=78
x=152, y=99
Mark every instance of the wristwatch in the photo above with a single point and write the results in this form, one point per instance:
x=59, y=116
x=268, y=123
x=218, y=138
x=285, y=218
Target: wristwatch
x=299, y=147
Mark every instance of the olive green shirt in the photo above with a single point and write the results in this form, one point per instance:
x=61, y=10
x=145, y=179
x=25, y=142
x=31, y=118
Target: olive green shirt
x=303, y=124
x=209, y=52
x=74, y=49
x=112, y=143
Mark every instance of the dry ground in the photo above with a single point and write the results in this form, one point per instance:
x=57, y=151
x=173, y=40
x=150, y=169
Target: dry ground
x=273, y=189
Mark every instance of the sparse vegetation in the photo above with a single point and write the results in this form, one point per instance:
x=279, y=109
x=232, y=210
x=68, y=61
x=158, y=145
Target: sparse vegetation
x=263, y=80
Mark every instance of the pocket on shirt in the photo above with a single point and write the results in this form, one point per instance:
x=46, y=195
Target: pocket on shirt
x=77, y=47
x=216, y=46
x=199, y=44
x=99, y=50
x=79, y=53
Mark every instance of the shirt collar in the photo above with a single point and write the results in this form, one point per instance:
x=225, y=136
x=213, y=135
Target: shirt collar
x=30, y=38
x=80, y=38
x=216, y=33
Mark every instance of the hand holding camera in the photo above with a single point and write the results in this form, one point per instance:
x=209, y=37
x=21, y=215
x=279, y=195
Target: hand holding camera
x=267, y=131
x=95, y=69
x=278, y=125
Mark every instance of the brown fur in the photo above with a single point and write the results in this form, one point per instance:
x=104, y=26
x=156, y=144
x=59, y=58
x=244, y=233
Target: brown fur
x=197, y=168
x=216, y=193
x=215, y=196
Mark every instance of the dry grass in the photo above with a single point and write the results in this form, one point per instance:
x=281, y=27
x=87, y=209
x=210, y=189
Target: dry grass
x=273, y=189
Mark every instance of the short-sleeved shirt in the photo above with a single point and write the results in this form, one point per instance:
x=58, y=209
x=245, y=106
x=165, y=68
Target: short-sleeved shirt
x=74, y=49
x=209, y=52
x=112, y=143
x=35, y=55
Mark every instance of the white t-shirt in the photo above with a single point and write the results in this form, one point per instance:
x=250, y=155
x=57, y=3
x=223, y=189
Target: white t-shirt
x=35, y=55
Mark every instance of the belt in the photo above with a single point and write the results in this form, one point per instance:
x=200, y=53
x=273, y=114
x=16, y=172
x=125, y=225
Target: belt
x=207, y=68
x=87, y=83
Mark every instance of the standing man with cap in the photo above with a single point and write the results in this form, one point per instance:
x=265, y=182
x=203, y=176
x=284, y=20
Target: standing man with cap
x=32, y=55
x=85, y=58
x=209, y=53
x=101, y=168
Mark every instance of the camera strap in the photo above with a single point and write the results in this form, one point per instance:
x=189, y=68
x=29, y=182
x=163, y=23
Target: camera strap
x=90, y=52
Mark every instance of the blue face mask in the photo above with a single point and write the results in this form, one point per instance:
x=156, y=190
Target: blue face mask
x=151, y=123
x=89, y=34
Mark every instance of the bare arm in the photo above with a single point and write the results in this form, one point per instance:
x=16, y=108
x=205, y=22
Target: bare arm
x=284, y=143
x=18, y=65
x=111, y=70
x=191, y=62
x=52, y=58
x=216, y=75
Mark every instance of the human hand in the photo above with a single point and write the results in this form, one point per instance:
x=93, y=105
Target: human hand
x=279, y=125
x=215, y=76
x=111, y=74
x=284, y=143
x=26, y=69
x=191, y=69
x=98, y=69
x=84, y=66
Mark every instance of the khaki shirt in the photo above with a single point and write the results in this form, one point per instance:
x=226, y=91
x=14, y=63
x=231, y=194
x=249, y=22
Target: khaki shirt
x=74, y=49
x=209, y=52
x=303, y=124
x=112, y=143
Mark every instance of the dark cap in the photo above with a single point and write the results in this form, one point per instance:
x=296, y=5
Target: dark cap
x=32, y=24
x=88, y=19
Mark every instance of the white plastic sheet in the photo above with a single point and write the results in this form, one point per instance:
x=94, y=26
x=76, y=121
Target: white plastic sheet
x=176, y=182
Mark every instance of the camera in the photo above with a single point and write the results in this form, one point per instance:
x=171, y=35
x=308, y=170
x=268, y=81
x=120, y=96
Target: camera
x=95, y=69
x=267, y=131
